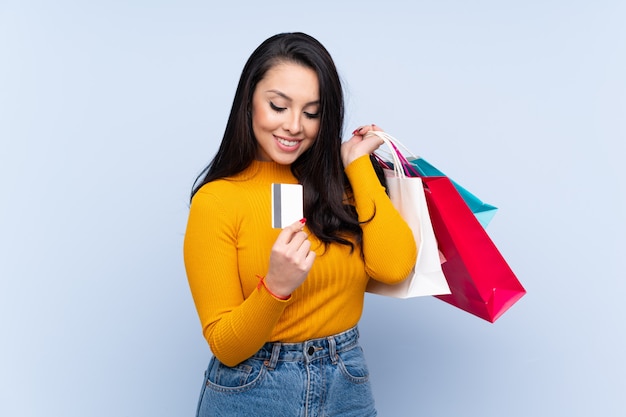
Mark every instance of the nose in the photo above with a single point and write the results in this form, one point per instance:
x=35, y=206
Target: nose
x=293, y=123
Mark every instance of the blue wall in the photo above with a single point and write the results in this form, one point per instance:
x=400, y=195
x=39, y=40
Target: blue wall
x=108, y=110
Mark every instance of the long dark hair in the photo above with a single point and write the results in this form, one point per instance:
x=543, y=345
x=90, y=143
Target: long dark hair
x=320, y=170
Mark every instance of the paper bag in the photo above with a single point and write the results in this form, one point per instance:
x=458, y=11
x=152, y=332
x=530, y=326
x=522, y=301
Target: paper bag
x=480, y=280
x=427, y=278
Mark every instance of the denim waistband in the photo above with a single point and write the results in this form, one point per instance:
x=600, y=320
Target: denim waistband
x=309, y=350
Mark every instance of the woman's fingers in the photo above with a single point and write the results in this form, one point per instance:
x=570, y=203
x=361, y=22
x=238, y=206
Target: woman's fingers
x=309, y=255
x=360, y=144
x=294, y=243
x=289, y=231
x=290, y=260
x=362, y=130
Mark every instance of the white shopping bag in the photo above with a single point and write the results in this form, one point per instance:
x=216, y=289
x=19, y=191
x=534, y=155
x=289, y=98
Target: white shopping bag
x=407, y=196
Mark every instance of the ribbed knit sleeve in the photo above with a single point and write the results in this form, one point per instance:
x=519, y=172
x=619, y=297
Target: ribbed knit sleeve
x=388, y=244
x=234, y=326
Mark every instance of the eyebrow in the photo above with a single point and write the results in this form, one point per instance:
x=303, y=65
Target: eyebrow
x=286, y=97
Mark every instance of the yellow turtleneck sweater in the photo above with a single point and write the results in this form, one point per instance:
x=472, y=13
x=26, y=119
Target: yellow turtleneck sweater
x=227, y=245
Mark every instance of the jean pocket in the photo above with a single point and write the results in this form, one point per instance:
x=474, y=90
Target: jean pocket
x=353, y=366
x=236, y=378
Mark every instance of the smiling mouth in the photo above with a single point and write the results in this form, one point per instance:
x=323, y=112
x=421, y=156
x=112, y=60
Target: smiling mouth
x=288, y=143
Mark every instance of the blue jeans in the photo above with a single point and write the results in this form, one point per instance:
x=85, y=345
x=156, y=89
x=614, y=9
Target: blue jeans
x=320, y=377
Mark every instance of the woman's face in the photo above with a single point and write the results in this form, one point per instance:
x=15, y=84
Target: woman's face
x=285, y=112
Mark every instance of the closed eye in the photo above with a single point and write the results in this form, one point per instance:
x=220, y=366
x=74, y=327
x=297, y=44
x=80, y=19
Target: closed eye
x=276, y=108
x=312, y=115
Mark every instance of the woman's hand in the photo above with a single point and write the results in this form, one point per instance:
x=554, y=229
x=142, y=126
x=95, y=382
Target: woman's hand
x=359, y=145
x=291, y=260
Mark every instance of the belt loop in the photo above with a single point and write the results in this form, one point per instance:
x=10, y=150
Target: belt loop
x=332, y=349
x=274, y=358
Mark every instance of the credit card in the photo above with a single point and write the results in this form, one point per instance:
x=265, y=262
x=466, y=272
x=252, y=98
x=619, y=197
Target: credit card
x=287, y=202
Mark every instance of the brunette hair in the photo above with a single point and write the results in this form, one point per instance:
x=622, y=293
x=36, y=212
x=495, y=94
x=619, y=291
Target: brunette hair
x=319, y=169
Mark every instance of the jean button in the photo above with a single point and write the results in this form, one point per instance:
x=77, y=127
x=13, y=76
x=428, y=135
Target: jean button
x=311, y=350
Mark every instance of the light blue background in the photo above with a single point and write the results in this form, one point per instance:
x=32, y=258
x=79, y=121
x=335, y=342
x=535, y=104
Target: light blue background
x=109, y=109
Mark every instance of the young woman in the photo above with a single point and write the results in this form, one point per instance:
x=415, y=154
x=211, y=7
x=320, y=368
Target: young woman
x=279, y=308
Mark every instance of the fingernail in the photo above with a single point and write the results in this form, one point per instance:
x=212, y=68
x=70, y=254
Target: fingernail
x=355, y=131
x=303, y=220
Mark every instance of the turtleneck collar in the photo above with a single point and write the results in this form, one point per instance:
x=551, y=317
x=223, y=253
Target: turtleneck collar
x=268, y=172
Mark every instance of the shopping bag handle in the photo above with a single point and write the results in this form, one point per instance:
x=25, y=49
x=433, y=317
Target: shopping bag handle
x=401, y=166
x=395, y=141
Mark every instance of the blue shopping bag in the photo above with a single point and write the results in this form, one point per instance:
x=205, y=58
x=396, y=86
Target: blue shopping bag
x=484, y=212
